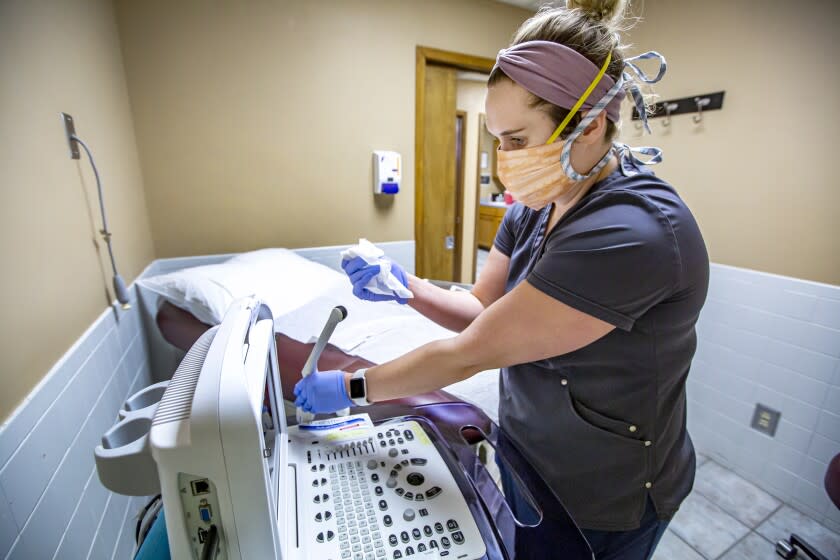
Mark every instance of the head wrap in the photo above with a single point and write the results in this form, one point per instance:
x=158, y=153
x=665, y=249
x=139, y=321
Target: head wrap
x=556, y=73
x=560, y=75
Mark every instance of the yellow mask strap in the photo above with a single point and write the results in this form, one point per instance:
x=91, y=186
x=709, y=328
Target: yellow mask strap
x=581, y=101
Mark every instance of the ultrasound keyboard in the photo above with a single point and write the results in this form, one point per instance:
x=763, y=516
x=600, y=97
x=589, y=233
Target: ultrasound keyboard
x=382, y=492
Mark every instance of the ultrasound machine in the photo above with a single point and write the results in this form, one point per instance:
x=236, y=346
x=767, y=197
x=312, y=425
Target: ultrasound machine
x=238, y=482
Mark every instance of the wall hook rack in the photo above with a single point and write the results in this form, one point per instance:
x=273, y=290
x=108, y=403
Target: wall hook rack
x=673, y=107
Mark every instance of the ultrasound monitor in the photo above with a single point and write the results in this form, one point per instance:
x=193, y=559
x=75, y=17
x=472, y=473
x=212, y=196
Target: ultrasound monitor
x=218, y=441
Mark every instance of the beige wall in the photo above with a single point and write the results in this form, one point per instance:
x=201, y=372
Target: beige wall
x=256, y=120
x=60, y=55
x=470, y=99
x=759, y=175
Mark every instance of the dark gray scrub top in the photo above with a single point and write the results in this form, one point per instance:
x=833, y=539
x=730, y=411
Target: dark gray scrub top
x=605, y=424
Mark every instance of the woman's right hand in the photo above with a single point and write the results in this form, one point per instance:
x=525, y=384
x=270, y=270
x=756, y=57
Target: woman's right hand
x=360, y=273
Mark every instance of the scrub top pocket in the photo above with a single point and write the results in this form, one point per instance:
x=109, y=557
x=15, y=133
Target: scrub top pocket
x=603, y=459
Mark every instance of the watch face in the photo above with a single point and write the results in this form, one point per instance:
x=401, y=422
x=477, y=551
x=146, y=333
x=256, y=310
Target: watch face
x=357, y=388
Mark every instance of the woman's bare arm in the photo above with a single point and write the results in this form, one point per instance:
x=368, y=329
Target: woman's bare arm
x=523, y=326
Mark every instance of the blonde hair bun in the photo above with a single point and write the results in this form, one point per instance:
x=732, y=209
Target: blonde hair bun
x=605, y=11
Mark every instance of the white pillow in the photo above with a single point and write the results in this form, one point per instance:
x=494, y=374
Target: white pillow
x=280, y=278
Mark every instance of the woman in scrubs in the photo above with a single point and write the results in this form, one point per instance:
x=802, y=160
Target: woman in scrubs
x=589, y=297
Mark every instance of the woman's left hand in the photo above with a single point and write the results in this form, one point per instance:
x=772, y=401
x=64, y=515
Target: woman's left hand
x=322, y=392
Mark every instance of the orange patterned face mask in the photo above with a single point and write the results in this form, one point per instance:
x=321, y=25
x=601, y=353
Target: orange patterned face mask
x=535, y=176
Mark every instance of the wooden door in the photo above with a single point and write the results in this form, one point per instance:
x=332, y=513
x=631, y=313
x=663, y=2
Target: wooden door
x=436, y=244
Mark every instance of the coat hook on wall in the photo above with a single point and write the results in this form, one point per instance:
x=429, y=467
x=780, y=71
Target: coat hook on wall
x=696, y=104
x=700, y=102
x=669, y=108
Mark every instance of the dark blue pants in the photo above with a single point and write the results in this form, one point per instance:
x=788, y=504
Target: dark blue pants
x=637, y=544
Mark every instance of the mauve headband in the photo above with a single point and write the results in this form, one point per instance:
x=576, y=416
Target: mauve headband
x=558, y=74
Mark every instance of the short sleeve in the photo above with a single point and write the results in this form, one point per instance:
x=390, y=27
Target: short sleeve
x=506, y=236
x=614, y=259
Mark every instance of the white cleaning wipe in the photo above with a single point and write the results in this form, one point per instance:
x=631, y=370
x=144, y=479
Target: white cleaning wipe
x=385, y=282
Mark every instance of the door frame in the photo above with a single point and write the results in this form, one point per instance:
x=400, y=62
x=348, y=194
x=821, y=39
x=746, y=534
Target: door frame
x=459, y=61
x=482, y=119
x=460, y=185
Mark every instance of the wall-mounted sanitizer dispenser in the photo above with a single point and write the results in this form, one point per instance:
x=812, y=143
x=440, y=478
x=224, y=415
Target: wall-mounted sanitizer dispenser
x=386, y=172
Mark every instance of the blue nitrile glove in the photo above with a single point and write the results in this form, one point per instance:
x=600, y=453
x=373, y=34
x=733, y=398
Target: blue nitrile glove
x=360, y=273
x=322, y=392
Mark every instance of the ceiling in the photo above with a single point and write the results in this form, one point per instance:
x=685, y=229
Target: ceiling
x=531, y=4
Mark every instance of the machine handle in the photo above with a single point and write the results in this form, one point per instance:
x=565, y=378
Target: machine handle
x=552, y=515
x=555, y=523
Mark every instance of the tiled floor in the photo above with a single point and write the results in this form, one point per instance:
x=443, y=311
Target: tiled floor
x=729, y=518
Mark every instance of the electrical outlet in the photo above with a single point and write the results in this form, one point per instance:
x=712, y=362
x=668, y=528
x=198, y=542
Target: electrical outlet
x=765, y=419
x=70, y=130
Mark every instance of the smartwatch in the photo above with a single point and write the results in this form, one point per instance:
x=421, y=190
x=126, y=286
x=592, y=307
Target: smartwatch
x=358, y=388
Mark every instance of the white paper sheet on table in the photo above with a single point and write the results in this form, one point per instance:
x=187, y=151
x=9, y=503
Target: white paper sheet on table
x=380, y=332
x=366, y=322
x=481, y=390
x=366, y=334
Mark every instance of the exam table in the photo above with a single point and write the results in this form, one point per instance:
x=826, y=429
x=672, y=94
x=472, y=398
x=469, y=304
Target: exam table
x=181, y=329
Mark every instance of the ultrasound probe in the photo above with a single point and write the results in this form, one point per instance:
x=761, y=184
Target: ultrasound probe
x=337, y=315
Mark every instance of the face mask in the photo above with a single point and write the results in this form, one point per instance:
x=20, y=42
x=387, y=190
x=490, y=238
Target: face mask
x=535, y=176
x=543, y=174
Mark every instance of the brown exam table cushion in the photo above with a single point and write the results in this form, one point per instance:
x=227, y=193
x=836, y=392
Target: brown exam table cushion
x=181, y=329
